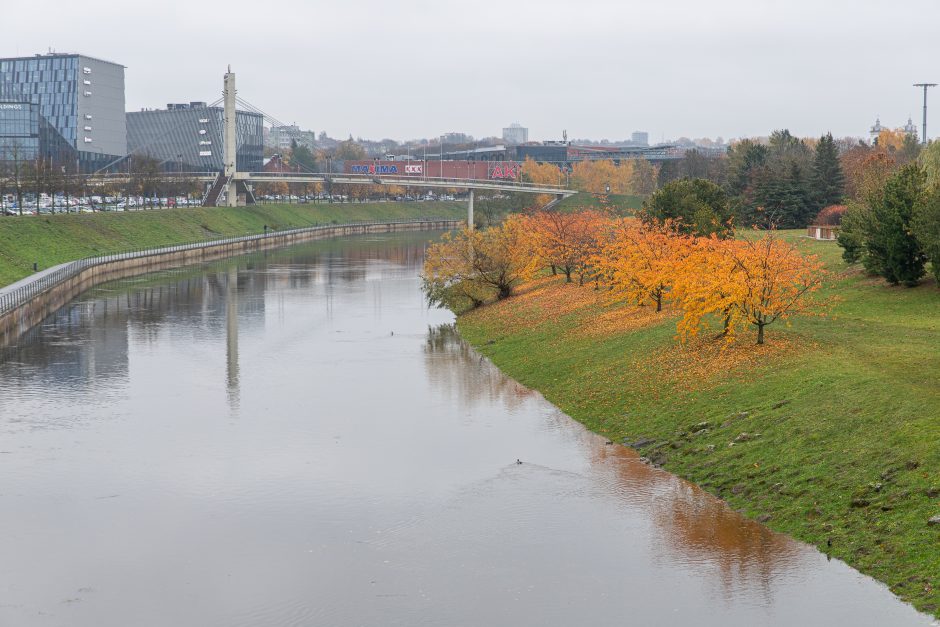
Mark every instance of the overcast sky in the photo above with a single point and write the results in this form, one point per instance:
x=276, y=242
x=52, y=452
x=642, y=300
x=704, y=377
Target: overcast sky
x=416, y=68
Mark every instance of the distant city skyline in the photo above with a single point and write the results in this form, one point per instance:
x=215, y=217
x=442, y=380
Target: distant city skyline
x=418, y=69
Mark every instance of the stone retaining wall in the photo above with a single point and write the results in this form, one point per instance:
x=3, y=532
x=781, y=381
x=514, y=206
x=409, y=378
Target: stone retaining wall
x=17, y=321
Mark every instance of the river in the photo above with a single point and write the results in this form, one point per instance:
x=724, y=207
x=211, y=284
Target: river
x=294, y=438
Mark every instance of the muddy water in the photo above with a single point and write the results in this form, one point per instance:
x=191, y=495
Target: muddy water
x=295, y=439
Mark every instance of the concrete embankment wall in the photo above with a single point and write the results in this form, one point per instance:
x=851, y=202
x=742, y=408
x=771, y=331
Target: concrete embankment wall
x=69, y=283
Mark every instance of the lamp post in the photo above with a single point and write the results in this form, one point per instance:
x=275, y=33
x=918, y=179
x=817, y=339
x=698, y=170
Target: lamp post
x=925, y=86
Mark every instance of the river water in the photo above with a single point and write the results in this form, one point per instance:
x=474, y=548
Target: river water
x=294, y=438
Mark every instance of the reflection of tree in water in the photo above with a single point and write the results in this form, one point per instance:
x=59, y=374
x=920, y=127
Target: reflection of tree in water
x=699, y=527
x=454, y=366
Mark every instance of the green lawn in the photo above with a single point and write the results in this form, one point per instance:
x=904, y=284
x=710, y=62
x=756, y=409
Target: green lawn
x=847, y=408
x=622, y=204
x=54, y=239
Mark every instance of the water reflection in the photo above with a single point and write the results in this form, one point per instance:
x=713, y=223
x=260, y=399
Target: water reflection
x=293, y=437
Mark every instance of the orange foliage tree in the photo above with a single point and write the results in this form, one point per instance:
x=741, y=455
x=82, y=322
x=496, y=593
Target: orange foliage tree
x=471, y=266
x=770, y=281
x=638, y=260
x=566, y=241
x=542, y=174
x=595, y=176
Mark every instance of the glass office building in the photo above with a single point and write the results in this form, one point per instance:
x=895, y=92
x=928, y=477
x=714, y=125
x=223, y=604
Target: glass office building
x=66, y=108
x=188, y=137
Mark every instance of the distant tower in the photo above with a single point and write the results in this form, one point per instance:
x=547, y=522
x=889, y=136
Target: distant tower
x=875, y=130
x=910, y=128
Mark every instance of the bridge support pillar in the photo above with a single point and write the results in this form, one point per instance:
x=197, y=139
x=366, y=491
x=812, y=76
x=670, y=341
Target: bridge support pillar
x=470, y=211
x=230, y=149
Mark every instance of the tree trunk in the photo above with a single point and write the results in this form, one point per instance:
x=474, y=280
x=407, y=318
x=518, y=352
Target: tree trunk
x=760, y=333
x=659, y=302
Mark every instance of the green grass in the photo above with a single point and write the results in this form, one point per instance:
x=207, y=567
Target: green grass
x=54, y=239
x=847, y=408
x=622, y=204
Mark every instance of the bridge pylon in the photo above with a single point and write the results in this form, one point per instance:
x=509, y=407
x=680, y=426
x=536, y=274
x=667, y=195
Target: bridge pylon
x=230, y=152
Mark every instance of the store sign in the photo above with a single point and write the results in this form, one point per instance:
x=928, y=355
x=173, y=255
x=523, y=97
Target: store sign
x=375, y=169
x=414, y=168
x=11, y=106
x=508, y=171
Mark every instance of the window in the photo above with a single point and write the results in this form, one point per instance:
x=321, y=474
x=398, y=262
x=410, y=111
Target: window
x=86, y=82
x=88, y=140
x=205, y=153
x=86, y=70
x=87, y=128
x=205, y=142
x=87, y=93
x=203, y=120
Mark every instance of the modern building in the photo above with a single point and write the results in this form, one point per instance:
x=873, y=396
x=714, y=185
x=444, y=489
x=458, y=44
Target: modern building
x=640, y=138
x=188, y=137
x=67, y=108
x=280, y=138
x=515, y=133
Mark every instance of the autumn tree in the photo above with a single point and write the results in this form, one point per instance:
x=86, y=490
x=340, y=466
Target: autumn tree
x=596, y=176
x=929, y=159
x=704, y=284
x=771, y=281
x=566, y=241
x=542, y=174
x=637, y=260
x=468, y=268
x=695, y=206
x=643, y=178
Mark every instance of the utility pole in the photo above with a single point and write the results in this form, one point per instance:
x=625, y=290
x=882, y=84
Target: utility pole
x=925, y=86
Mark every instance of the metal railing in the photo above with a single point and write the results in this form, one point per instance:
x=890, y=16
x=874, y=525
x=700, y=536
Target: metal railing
x=22, y=292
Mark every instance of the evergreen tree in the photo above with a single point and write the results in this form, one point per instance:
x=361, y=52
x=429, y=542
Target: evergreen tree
x=927, y=230
x=892, y=249
x=698, y=206
x=828, y=181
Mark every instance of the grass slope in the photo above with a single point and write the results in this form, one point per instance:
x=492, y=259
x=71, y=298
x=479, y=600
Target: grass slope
x=840, y=415
x=54, y=239
x=622, y=204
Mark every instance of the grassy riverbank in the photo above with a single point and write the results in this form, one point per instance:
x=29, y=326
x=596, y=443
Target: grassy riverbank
x=54, y=239
x=831, y=432
x=621, y=204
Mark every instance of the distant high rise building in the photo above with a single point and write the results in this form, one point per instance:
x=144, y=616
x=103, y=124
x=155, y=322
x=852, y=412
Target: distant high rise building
x=189, y=137
x=515, y=133
x=640, y=138
x=68, y=108
x=281, y=137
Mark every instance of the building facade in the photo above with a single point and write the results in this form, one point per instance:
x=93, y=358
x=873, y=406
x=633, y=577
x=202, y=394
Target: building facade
x=280, y=138
x=188, y=137
x=515, y=133
x=66, y=108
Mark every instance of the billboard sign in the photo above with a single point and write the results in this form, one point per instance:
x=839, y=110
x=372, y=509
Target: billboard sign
x=414, y=168
x=374, y=168
x=504, y=171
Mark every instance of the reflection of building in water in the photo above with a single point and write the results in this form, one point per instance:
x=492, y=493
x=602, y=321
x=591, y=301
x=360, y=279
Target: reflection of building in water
x=231, y=336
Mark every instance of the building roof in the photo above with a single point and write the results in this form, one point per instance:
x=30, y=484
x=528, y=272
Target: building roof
x=52, y=55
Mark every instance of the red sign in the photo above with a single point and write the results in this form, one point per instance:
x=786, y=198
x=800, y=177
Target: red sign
x=508, y=171
x=414, y=169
